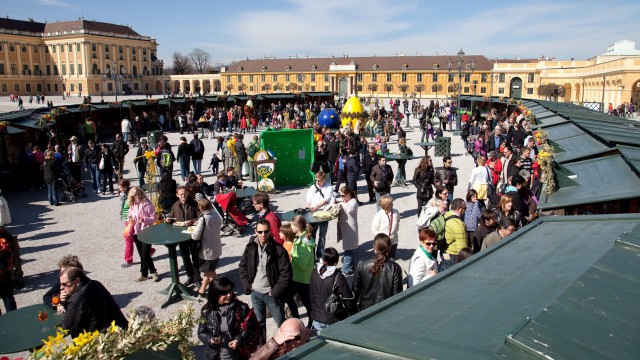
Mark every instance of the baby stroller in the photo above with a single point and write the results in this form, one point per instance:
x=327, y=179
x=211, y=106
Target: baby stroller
x=233, y=221
x=71, y=189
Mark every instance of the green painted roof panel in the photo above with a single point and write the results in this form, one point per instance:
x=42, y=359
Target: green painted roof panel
x=574, y=143
x=600, y=179
x=551, y=121
x=462, y=313
x=632, y=155
x=597, y=317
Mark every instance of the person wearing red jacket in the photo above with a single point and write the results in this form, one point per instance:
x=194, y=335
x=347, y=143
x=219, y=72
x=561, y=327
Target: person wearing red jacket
x=261, y=204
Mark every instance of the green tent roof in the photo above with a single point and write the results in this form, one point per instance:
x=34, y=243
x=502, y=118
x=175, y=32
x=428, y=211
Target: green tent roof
x=14, y=131
x=559, y=271
x=600, y=179
x=12, y=115
x=574, y=143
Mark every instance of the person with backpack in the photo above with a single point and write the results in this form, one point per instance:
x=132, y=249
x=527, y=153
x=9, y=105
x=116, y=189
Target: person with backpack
x=423, y=177
x=328, y=280
x=455, y=233
x=197, y=153
x=252, y=149
x=227, y=323
x=164, y=158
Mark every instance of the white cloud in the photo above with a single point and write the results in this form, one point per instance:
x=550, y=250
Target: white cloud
x=56, y=3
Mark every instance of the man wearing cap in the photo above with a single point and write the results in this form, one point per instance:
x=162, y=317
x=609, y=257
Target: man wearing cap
x=75, y=157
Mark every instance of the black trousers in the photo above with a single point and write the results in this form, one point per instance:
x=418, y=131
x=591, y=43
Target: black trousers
x=190, y=258
x=146, y=262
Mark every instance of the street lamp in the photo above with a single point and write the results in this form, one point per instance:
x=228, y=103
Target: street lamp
x=460, y=63
x=112, y=73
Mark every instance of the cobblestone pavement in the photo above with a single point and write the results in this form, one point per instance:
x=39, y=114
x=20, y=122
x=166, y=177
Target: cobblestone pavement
x=92, y=230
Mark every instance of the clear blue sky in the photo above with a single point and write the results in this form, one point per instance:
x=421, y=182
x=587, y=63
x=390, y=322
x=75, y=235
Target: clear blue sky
x=235, y=30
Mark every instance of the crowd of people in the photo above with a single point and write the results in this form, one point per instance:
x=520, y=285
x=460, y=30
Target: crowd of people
x=286, y=265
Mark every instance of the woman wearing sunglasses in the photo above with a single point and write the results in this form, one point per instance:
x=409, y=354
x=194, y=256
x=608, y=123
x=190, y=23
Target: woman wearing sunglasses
x=423, y=263
x=221, y=318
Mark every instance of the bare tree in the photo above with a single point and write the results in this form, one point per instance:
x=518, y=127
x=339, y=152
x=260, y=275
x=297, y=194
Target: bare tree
x=200, y=60
x=435, y=88
x=372, y=87
x=181, y=64
x=551, y=90
x=420, y=88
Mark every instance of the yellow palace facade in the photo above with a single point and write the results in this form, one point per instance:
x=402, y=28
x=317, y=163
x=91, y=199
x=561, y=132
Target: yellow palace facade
x=79, y=57
x=90, y=57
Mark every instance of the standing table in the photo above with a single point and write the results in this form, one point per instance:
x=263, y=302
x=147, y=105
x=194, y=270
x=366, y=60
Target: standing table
x=426, y=146
x=20, y=329
x=169, y=236
x=397, y=157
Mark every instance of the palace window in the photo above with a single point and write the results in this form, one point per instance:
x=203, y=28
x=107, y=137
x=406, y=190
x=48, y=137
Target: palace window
x=404, y=77
x=388, y=76
x=419, y=77
x=374, y=77
x=531, y=77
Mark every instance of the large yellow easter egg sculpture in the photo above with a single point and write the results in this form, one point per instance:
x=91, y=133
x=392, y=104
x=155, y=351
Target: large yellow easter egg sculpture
x=350, y=111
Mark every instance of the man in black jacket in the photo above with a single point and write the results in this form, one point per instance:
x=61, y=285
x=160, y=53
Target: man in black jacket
x=381, y=177
x=368, y=162
x=120, y=149
x=446, y=176
x=353, y=169
x=90, y=306
x=265, y=273
x=333, y=148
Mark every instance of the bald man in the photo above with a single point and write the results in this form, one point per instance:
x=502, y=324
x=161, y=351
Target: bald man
x=291, y=334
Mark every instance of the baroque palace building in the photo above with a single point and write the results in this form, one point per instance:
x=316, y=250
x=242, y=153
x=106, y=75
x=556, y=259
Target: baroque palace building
x=84, y=57
x=80, y=57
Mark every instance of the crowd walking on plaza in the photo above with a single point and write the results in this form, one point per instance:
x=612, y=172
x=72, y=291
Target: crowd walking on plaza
x=286, y=266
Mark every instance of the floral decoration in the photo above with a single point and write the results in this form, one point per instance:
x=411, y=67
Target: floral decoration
x=116, y=343
x=545, y=161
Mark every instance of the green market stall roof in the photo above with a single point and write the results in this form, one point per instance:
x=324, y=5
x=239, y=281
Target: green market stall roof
x=576, y=274
x=590, y=181
x=572, y=143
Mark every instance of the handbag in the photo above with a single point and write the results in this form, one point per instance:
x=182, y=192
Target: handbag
x=101, y=164
x=334, y=304
x=128, y=230
x=249, y=346
x=482, y=190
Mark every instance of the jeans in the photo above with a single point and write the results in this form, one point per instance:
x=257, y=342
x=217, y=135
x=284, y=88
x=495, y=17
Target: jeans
x=262, y=301
x=347, y=261
x=95, y=178
x=146, y=262
x=125, y=137
x=319, y=326
x=450, y=196
x=52, y=193
x=141, y=176
x=321, y=230
x=197, y=165
x=252, y=171
x=184, y=169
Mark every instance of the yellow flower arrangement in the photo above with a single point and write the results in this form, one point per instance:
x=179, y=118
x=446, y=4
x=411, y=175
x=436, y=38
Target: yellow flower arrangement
x=116, y=343
x=545, y=161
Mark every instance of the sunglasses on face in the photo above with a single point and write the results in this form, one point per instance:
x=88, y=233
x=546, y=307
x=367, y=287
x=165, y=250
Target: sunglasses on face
x=262, y=231
x=430, y=244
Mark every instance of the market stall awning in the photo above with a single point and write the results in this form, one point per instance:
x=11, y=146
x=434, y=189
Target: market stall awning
x=584, y=268
x=318, y=94
x=599, y=179
x=14, y=131
x=12, y=115
x=550, y=121
x=574, y=143
x=30, y=123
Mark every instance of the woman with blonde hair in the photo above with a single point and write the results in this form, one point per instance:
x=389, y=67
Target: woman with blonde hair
x=142, y=215
x=506, y=209
x=207, y=231
x=387, y=221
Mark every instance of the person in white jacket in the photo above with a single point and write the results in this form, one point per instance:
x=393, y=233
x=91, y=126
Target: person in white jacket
x=386, y=221
x=423, y=264
x=207, y=231
x=125, y=128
